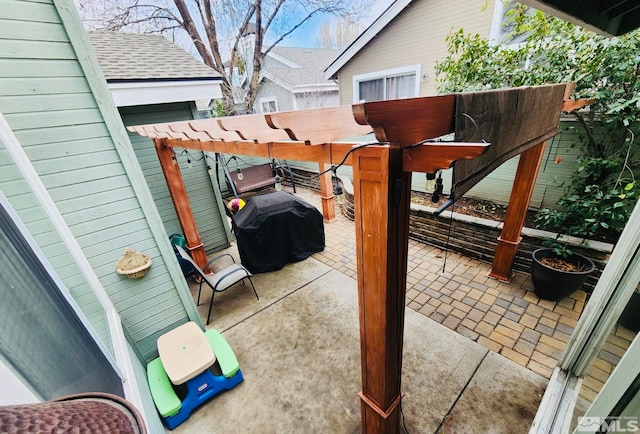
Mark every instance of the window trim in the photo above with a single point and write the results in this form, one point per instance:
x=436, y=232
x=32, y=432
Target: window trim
x=268, y=99
x=403, y=70
x=496, y=23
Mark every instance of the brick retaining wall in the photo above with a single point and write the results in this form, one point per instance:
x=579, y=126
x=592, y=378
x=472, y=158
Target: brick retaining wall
x=470, y=236
x=476, y=237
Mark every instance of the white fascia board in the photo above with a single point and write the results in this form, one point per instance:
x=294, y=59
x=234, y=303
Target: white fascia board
x=300, y=88
x=160, y=92
x=319, y=87
x=361, y=41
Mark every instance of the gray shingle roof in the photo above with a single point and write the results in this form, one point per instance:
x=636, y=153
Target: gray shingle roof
x=313, y=61
x=143, y=56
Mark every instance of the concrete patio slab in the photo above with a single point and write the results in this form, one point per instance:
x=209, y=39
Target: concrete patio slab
x=497, y=400
x=239, y=303
x=300, y=356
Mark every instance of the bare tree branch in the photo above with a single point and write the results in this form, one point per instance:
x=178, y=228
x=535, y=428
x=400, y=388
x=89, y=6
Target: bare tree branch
x=192, y=30
x=274, y=13
x=290, y=31
x=216, y=29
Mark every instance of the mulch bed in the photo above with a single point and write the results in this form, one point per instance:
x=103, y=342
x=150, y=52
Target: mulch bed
x=472, y=207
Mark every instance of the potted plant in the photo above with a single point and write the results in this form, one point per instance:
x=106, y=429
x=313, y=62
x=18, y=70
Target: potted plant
x=557, y=271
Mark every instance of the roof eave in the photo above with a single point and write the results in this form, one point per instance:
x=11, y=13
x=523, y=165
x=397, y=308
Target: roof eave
x=277, y=80
x=163, y=79
x=149, y=92
x=316, y=87
x=606, y=18
x=365, y=37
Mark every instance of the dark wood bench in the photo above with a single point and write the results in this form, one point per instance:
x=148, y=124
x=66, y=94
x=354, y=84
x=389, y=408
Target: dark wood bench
x=254, y=178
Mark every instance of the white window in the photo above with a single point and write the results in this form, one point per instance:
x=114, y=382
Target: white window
x=268, y=105
x=390, y=84
x=44, y=336
x=501, y=31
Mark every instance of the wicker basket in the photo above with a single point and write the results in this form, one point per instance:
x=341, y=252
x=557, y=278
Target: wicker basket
x=133, y=264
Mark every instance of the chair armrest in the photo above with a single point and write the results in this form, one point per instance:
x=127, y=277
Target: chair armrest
x=227, y=276
x=215, y=258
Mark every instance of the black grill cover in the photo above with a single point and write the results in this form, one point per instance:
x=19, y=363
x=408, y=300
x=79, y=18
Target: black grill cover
x=275, y=229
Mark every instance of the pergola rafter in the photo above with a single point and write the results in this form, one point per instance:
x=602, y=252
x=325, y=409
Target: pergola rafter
x=382, y=185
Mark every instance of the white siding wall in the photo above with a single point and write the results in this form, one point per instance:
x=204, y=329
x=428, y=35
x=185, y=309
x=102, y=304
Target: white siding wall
x=317, y=99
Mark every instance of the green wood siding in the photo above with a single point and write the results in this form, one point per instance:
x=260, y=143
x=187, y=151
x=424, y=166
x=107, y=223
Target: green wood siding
x=548, y=189
x=51, y=108
x=205, y=200
x=34, y=218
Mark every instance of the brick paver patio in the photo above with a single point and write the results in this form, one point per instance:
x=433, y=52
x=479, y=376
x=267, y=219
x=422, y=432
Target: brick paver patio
x=506, y=318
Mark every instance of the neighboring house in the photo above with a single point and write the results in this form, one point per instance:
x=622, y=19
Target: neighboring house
x=292, y=79
x=395, y=58
x=153, y=80
x=73, y=198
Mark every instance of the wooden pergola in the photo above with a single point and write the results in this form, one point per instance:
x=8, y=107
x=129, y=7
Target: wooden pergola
x=382, y=183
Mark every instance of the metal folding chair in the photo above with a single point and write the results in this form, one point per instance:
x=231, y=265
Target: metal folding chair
x=220, y=281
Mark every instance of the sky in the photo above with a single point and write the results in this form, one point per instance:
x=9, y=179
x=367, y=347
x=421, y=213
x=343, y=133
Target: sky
x=306, y=36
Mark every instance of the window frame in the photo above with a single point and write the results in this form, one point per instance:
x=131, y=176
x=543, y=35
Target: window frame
x=267, y=100
x=384, y=74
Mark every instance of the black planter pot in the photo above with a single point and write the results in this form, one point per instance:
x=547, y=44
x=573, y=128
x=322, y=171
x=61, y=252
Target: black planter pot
x=552, y=284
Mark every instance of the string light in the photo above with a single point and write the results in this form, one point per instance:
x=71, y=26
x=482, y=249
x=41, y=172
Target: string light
x=430, y=183
x=239, y=173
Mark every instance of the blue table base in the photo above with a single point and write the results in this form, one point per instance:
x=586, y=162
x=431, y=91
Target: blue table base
x=200, y=389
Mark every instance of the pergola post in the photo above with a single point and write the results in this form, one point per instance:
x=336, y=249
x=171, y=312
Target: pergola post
x=326, y=193
x=381, y=192
x=180, y=199
x=514, y=219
